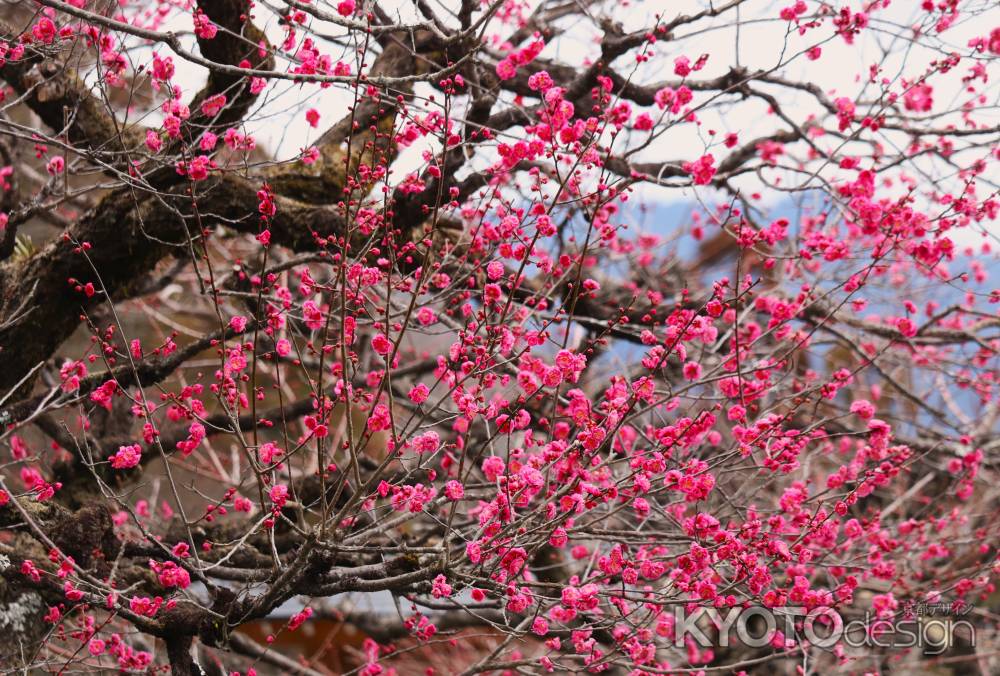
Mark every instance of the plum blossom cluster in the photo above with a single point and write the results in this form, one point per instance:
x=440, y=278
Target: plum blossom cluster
x=456, y=350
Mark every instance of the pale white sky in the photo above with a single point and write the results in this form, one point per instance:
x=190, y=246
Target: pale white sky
x=763, y=41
